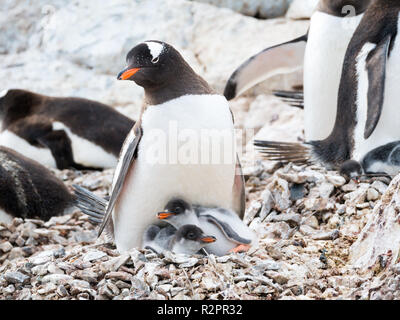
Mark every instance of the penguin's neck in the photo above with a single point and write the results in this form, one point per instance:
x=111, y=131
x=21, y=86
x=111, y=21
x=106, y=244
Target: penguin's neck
x=186, y=83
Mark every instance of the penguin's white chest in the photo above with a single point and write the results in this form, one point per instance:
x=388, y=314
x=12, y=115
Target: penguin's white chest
x=387, y=129
x=327, y=43
x=42, y=155
x=187, y=150
x=85, y=152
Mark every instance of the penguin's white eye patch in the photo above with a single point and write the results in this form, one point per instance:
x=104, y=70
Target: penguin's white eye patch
x=155, y=60
x=155, y=49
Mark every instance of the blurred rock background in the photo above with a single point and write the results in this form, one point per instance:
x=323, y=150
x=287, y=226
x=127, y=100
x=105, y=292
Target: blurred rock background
x=76, y=48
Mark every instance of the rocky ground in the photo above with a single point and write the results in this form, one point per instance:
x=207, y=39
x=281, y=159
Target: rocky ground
x=306, y=218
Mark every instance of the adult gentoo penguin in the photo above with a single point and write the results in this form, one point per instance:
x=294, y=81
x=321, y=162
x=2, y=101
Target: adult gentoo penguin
x=320, y=53
x=232, y=235
x=188, y=239
x=29, y=190
x=179, y=108
x=367, y=123
x=62, y=132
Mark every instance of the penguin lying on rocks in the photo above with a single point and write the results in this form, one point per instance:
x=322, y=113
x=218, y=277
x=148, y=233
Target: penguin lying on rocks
x=62, y=132
x=29, y=190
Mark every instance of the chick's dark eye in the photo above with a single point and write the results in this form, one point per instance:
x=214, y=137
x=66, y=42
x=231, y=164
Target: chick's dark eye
x=178, y=210
x=191, y=235
x=155, y=60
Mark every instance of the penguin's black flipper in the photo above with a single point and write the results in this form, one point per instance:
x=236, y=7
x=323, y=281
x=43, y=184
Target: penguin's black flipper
x=293, y=98
x=125, y=163
x=299, y=153
x=90, y=204
x=280, y=59
x=376, y=66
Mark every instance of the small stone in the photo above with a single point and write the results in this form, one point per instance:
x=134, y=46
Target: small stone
x=87, y=275
x=120, y=275
x=372, y=194
x=334, y=222
x=293, y=219
x=396, y=268
x=47, y=288
x=331, y=235
x=5, y=246
x=94, y=255
x=337, y=181
x=9, y=289
x=277, y=277
x=311, y=221
x=379, y=186
x=16, y=277
x=306, y=230
x=40, y=270
x=20, y=242
x=57, y=278
x=16, y=253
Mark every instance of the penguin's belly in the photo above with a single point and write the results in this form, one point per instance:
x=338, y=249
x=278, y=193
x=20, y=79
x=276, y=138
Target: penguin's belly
x=85, y=152
x=172, y=162
x=327, y=43
x=41, y=155
x=387, y=129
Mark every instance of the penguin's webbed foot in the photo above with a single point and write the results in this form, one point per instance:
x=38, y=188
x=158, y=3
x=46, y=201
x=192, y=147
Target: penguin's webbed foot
x=240, y=248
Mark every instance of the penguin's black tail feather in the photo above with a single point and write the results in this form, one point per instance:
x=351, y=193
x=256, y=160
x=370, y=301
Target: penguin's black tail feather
x=293, y=98
x=298, y=153
x=90, y=204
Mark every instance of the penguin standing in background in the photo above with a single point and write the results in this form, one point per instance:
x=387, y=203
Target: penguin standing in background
x=146, y=177
x=29, y=190
x=367, y=122
x=320, y=53
x=188, y=239
x=62, y=132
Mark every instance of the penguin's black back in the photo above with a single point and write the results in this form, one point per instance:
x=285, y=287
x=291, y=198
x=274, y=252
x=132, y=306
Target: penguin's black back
x=88, y=119
x=29, y=190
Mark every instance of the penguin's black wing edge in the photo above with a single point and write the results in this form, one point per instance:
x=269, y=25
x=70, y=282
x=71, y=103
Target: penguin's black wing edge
x=376, y=67
x=125, y=162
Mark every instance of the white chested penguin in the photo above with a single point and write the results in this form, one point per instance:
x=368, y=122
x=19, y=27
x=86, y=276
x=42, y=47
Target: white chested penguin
x=62, y=132
x=367, y=123
x=149, y=172
x=29, y=190
x=320, y=53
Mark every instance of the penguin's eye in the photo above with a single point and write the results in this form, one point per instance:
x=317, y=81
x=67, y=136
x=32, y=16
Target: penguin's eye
x=191, y=235
x=178, y=210
x=155, y=60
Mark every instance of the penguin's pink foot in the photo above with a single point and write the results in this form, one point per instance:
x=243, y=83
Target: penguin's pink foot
x=241, y=248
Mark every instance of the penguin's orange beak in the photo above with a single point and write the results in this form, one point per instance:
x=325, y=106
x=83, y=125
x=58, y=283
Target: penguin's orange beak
x=127, y=73
x=165, y=215
x=208, y=239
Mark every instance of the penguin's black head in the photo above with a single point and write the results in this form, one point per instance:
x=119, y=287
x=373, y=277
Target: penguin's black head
x=175, y=207
x=17, y=103
x=190, y=232
x=151, y=64
x=351, y=169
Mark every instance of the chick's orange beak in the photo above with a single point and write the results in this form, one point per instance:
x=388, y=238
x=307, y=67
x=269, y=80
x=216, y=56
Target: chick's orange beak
x=127, y=73
x=164, y=215
x=208, y=239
